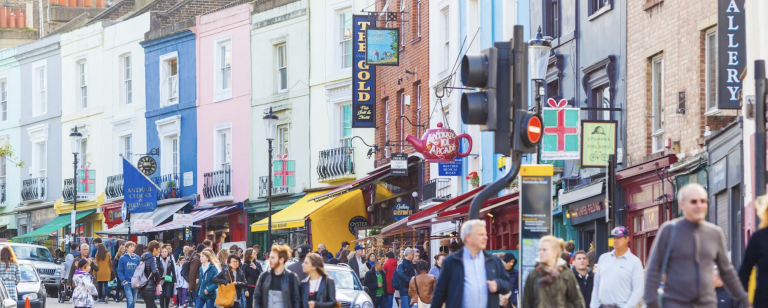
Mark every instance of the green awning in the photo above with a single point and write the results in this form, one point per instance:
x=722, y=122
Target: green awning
x=56, y=224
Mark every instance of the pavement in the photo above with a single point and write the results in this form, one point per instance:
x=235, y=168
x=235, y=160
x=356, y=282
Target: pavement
x=54, y=303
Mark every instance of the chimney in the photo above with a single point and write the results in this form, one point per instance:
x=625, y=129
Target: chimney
x=99, y=3
x=22, y=23
x=4, y=17
x=87, y=3
x=12, y=23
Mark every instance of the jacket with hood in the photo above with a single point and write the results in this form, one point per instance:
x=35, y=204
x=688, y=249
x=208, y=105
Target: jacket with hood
x=82, y=295
x=450, y=286
x=562, y=292
x=151, y=266
x=389, y=268
x=585, y=284
x=94, y=268
x=290, y=287
x=326, y=293
x=206, y=282
x=126, y=266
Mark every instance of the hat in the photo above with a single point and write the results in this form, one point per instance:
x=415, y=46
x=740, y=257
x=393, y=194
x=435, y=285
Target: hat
x=303, y=250
x=619, y=232
x=509, y=257
x=358, y=247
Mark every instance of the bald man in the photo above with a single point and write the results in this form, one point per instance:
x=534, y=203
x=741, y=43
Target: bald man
x=84, y=250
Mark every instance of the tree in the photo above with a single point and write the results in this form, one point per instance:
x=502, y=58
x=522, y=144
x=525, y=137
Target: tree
x=6, y=151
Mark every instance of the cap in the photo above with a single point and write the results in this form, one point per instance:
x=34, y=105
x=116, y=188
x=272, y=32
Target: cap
x=303, y=250
x=509, y=257
x=358, y=247
x=619, y=232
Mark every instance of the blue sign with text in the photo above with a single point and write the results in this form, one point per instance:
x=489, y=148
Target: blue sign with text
x=401, y=210
x=140, y=193
x=450, y=169
x=363, y=77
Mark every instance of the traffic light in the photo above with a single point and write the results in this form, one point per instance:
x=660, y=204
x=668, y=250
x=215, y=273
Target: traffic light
x=529, y=129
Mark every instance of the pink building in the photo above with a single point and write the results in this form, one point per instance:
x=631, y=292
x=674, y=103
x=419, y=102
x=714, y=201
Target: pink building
x=224, y=118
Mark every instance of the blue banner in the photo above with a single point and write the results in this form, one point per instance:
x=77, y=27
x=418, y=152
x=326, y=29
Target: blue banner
x=140, y=192
x=401, y=210
x=363, y=77
x=450, y=169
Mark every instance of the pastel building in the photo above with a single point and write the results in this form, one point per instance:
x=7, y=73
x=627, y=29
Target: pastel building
x=10, y=175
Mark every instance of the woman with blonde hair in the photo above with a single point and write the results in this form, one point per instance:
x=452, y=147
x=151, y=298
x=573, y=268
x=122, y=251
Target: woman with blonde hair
x=222, y=259
x=552, y=283
x=756, y=255
x=319, y=289
x=206, y=289
x=9, y=270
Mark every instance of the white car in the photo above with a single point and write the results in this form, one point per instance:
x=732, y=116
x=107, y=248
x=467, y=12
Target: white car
x=349, y=290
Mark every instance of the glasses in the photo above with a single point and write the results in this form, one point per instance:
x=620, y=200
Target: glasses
x=697, y=201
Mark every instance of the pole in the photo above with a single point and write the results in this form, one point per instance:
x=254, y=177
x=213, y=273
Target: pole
x=74, y=202
x=269, y=198
x=128, y=219
x=537, y=84
x=760, y=91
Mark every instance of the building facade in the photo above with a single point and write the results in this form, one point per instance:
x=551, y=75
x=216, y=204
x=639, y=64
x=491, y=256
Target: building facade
x=10, y=94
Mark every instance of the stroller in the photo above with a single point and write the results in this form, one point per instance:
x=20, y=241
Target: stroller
x=65, y=293
x=114, y=291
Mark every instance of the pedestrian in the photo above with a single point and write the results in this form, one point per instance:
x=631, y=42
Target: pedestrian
x=180, y=249
x=115, y=264
x=206, y=289
x=514, y=276
x=222, y=257
x=435, y=271
x=84, y=253
x=140, y=249
x=566, y=255
x=684, y=251
x=584, y=275
x=404, y=272
x=169, y=247
x=618, y=279
x=82, y=295
x=232, y=274
x=323, y=252
x=422, y=286
x=168, y=276
x=357, y=263
x=371, y=261
x=252, y=271
x=471, y=277
x=256, y=250
x=125, y=268
x=152, y=269
x=94, y=248
x=9, y=271
x=551, y=284
x=181, y=283
x=756, y=255
x=724, y=299
x=376, y=282
x=344, y=246
x=194, y=270
x=279, y=287
x=297, y=267
x=319, y=289
x=389, y=267
x=591, y=255
x=104, y=274
x=344, y=258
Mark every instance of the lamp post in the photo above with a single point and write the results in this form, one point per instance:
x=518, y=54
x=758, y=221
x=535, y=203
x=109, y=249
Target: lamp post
x=270, y=128
x=538, y=57
x=75, y=137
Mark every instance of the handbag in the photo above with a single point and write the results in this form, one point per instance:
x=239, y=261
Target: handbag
x=225, y=297
x=660, y=290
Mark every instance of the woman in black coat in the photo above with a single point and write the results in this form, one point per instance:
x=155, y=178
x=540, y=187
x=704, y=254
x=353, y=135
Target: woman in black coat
x=231, y=273
x=166, y=269
x=252, y=272
x=318, y=290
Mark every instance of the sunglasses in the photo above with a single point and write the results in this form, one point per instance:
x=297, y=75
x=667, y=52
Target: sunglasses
x=697, y=201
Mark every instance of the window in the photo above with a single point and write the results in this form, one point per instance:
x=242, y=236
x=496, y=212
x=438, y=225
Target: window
x=418, y=108
x=4, y=99
x=601, y=98
x=553, y=89
x=171, y=155
x=346, y=125
x=597, y=5
x=223, y=65
x=125, y=147
x=386, y=129
x=3, y=169
x=82, y=84
x=224, y=148
x=402, y=24
x=39, y=87
x=345, y=35
x=282, y=139
x=418, y=18
x=401, y=130
x=41, y=164
x=83, y=159
x=446, y=40
x=282, y=68
x=657, y=96
x=127, y=78
x=710, y=69
x=552, y=18
x=169, y=79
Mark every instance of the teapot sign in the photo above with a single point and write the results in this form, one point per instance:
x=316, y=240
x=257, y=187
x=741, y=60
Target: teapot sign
x=440, y=145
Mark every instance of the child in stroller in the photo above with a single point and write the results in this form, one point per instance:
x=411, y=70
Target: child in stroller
x=115, y=291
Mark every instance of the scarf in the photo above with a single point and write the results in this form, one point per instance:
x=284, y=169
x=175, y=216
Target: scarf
x=81, y=272
x=165, y=265
x=547, y=273
x=371, y=263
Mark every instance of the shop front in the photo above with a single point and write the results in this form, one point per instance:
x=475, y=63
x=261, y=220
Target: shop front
x=649, y=198
x=119, y=229
x=30, y=218
x=502, y=220
x=585, y=209
x=113, y=214
x=7, y=226
x=53, y=234
x=220, y=224
x=259, y=209
x=86, y=227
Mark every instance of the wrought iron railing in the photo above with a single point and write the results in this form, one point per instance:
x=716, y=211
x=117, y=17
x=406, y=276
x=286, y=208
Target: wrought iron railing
x=335, y=163
x=34, y=189
x=169, y=186
x=276, y=190
x=218, y=183
x=68, y=192
x=436, y=189
x=114, y=186
x=3, y=199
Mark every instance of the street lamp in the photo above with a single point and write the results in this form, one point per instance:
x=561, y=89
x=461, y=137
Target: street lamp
x=270, y=127
x=75, y=138
x=538, y=57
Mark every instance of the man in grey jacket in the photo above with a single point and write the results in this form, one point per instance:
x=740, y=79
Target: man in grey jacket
x=697, y=244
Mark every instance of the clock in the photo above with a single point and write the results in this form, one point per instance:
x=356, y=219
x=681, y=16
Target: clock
x=147, y=165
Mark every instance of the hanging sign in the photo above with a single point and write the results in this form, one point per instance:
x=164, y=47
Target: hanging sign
x=357, y=221
x=731, y=52
x=535, y=214
x=450, y=169
x=440, y=145
x=401, y=210
x=561, y=131
x=382, y=46
x=598, y=140
x=140, y=192
x=141, y=224
x=363, y=78
x=399, y=164
x=86, y=183
x=182, y=220
x=147, y=165
x=284, y=172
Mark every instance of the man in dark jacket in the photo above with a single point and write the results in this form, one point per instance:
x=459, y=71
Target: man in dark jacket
x=583, y=274
x=194, y=270
x=404, y=272
x=278, y=285
x=376, y=281
x=84, y=250
x=481, y=282
x=510, y=261
x=302, y=250
x=724, y=299
x=357, y=262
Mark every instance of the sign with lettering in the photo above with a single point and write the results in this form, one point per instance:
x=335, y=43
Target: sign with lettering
x=141, y=224
x=42, y=217
x=588, y=209
x=382, y=46
x=399, y=164
x=440, y=145
x=401, y=210
x=535, y=214
x=450, y=169
x=357, y=221
x=182, y=219
x=651, y=218
x=114, y=214
x=140, y=193
x=363, y=77
x=731, y=52
x=598, y=140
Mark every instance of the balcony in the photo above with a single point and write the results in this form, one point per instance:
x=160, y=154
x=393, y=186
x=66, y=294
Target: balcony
x=169, y=186
x=217, y=185
x=336, y=165
x=436, y=190
x=68, y=192
x=34, y=190
x=114, y=188
x=3, y=199
x=276, y=190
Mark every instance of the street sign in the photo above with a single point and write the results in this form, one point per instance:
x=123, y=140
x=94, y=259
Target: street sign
x=182, y=220
x=399, y=164
x=598, y=141
x=535, y=213
x=450, y=169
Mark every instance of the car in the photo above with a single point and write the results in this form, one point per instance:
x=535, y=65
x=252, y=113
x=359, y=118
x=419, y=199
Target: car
x=30, y=286
x=350, y=292
x=50, y=272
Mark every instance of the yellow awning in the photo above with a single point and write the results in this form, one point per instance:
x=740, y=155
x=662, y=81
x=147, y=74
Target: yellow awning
x=330, y=224
x=294, y=215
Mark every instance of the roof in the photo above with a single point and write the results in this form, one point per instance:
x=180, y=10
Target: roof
x=115, y=12
x=76, y=22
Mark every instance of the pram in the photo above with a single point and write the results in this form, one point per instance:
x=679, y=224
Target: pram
x=115, y=291
x=65, y=293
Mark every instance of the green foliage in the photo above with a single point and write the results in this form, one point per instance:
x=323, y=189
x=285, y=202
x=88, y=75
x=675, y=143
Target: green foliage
x=6, y=151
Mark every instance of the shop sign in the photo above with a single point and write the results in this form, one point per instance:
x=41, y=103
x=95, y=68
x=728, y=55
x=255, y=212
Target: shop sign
x=183, y=220
x=141, y=224
x=42, y=217
x=382, y=46
x=114, y=215
x=651, y=218
x=284, y=172
x=561, y=131
x=363, y=78
x=588, y=209
x=86, y=183
x=357, y=221
x=401, y=210
x=450, y=169
x=535, y=213
x=399, y=164
x=140, y=193
x=598, y=140
x=440, y=145
x=718, y=176
x=147, y=165
x=189, y=179
x=732, y=52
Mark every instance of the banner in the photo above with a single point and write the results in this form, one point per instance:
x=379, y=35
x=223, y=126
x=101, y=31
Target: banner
x=561, y=131
x=450, y=169
x=598, y=140
x=86, y=183
x=141, y=224
x=182, y=220
x=140, y=191
x=363, y=78
x=284, y=172
x=382, y=46
x=535, y=214
x=731, y=52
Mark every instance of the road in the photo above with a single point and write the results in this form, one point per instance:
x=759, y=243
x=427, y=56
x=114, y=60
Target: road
x=54, y=303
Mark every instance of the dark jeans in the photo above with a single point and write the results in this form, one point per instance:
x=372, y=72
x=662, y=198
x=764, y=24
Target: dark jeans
x=103, y=288
x=165, y=299
x=203, y=303
x=249, y=299
x=149, y=297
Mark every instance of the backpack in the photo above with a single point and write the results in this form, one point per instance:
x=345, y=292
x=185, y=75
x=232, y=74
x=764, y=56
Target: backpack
x=138, y=280
x=396, y=283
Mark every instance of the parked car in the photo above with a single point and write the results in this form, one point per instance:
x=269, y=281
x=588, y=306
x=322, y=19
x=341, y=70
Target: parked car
x=350, y=292
x=49, y=272
x=30, y=286
x=5, y=299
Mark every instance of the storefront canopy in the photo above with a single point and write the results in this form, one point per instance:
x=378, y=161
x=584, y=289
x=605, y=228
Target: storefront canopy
x=463, y=211
x=372, y=177
x=158, y=216
x=434, y=210
x=293, y=216
x=56, y=224
x=196, y=216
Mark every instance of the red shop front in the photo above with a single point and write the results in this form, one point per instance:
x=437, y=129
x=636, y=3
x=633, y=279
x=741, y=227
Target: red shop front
x=648, y=195
x=113, y=214
x=502, y=220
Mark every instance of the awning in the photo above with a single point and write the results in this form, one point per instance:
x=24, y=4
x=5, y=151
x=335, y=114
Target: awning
x=59, y=222
x=294, y=215
x=432, y=211
x=582, y=193
x=161, y=213
x=196, y=216
x=398, y=225
x=487, y=206
x=351, y=186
